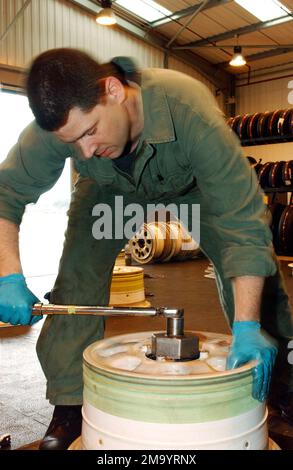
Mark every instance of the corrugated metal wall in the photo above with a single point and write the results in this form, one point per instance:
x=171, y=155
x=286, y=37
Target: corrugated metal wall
x=270, y=94
x=266, y=96
x=46, y=24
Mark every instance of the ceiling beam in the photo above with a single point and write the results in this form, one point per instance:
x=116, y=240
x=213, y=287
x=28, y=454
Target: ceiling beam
x=266, y=54
x=178, y=15
x=219, y=77
x=190, y=19
x=236, y=32
x=251, y=46
x=262, y=55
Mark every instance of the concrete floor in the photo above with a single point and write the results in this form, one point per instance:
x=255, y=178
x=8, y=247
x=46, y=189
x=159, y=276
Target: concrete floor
x=25, y=413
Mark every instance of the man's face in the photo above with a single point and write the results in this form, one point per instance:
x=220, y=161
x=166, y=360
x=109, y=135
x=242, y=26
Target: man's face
x=104, y=131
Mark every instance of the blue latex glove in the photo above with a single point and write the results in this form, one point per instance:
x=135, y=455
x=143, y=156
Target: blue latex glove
x=250, y=344
x=16, y=301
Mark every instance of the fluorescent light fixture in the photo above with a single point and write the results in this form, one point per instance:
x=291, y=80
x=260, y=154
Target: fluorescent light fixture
x=146, y=9
x=237, y=60
x=264, y=10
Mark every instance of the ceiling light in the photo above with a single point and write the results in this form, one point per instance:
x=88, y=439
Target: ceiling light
x=149, y=10
x=237, y=59
x=106, y=16
x=264, y=10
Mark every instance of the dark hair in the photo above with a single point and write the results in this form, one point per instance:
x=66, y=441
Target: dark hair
x=61, y=79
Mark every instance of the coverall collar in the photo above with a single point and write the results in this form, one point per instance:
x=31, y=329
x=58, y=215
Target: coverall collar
x=158, y=125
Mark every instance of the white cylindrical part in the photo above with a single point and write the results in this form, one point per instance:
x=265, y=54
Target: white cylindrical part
x=247, y=431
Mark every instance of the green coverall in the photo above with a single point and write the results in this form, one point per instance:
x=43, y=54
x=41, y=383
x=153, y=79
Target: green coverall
x=186, y=154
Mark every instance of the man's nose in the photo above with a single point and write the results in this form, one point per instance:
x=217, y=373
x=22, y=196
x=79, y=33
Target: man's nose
x=88, y=149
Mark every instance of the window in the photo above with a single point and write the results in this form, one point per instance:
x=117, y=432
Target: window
x=146, y=9
x=264, y=10
x=44, y=223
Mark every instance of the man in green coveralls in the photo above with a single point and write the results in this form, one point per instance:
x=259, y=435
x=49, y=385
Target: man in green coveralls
x=155, y=136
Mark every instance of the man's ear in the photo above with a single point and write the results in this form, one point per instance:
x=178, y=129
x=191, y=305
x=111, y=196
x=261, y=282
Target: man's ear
x=115, y=90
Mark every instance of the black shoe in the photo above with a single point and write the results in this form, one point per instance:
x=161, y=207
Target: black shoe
x=64, y=428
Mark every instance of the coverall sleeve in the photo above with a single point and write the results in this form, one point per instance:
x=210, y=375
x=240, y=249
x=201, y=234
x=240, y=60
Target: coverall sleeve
x=31, y=168
x=230, y=194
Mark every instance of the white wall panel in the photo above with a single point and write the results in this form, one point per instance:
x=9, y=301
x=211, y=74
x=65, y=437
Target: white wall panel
x=266, y=96
x=271, y=153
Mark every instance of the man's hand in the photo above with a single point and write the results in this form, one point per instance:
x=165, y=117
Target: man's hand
x=250, y=344
x=16, y=301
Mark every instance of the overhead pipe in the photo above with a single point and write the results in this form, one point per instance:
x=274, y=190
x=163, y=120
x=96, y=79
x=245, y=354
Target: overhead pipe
x=263, y=81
